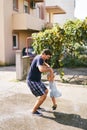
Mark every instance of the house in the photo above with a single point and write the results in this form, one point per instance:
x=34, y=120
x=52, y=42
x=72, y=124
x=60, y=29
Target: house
x=18, y=20
x=67, y=6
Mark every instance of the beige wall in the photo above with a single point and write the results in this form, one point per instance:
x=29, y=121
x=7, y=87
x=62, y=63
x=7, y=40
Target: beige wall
x=20, y=5
x=9, y=53
x=6, y=38
x=22, y=38
x=2, y=32
x=6, y=52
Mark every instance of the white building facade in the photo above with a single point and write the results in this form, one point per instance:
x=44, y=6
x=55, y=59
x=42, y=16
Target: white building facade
x=67, y=5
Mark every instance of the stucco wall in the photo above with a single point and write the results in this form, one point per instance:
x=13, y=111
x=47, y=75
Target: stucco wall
x=9, y=53
x=6, y=52
x=2, y=32
x=22, y=38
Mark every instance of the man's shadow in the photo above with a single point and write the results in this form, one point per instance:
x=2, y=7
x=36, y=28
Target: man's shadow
x=69, y=119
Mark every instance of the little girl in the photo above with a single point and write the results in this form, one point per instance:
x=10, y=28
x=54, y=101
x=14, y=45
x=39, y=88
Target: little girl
x=54, y=93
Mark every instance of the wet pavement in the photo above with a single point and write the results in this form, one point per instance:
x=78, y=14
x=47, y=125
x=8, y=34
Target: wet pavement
x=16, y=102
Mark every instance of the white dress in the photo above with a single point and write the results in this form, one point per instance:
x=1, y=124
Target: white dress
x=54, y=92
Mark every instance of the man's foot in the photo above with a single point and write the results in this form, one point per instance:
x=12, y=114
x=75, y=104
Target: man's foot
x=40, y=108
x=37, y=113
x=54, y=107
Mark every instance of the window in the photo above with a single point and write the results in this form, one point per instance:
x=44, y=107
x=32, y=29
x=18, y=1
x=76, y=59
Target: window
x=15, y=5
x=26, y=7
x=15, y=41
x=32, y=4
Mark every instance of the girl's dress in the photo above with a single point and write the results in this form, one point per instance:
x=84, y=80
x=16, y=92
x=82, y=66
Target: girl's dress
x=54, y=92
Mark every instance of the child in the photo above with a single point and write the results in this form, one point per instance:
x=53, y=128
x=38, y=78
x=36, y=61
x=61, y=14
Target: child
x=54, y=93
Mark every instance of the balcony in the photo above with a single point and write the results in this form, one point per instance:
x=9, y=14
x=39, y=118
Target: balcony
x=52, y=10
x=23, y=21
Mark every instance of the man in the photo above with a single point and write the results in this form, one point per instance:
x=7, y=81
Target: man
x=34, y=82
x=29, y=51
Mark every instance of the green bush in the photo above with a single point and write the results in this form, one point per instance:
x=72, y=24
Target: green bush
x=66, y=43
x=51, y=39
x=80, y=61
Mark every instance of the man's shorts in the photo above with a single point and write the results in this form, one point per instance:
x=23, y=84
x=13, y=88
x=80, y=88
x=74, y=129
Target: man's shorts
x=37, y=88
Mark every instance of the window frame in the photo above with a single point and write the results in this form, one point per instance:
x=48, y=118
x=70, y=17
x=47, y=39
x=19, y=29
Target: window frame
x=26, y=4
x=16, y=41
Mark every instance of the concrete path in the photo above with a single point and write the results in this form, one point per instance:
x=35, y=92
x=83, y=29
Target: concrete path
x=16, y=102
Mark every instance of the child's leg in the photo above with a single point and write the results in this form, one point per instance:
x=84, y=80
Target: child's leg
x=54, y=100
x=54, y=103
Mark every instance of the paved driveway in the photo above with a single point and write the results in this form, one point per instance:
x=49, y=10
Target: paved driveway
x=16, y=102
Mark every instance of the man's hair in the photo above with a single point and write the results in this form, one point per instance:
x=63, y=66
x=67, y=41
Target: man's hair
x=47, y=52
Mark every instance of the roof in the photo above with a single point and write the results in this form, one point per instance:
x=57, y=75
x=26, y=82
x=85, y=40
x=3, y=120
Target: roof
x=55, y=9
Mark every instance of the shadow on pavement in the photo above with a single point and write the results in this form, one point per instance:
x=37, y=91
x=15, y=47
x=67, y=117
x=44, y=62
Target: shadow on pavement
x=8, y=69
x=69, y=119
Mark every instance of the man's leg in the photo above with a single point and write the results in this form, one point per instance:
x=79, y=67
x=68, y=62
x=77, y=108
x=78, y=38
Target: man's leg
x=40, y=100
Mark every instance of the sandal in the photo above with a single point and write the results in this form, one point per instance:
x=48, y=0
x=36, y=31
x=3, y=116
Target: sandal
x=54, y=107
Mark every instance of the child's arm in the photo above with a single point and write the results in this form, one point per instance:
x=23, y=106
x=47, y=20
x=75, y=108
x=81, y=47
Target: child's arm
x=48, y=66
x=50, y=76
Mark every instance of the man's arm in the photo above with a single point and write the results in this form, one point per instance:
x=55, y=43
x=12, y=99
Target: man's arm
x=46, y=64
x=44, y=68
